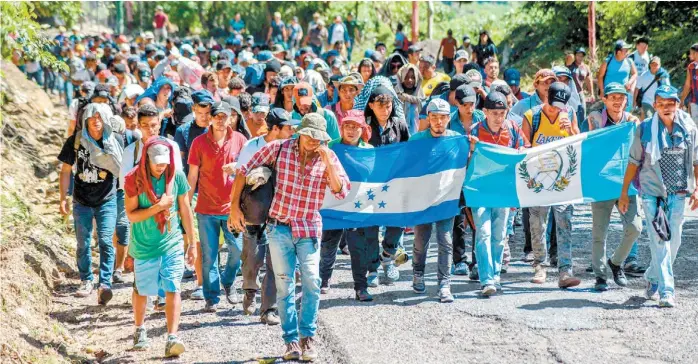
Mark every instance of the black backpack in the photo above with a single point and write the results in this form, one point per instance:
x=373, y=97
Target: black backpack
x=181, y=105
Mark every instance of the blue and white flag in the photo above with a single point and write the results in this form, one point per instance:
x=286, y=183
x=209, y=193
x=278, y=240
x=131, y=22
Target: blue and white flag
x=402, y=184
x=582, y=168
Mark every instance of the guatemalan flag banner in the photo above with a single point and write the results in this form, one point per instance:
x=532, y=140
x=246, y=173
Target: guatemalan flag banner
x=582, y=168
x=402, y=184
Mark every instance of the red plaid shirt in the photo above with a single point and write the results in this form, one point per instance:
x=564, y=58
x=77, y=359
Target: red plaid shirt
x=299, y=194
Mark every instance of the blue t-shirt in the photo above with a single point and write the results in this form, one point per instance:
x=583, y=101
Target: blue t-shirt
x=617, y=71
x=426, y=134
x=237, y=26
x=456, y=125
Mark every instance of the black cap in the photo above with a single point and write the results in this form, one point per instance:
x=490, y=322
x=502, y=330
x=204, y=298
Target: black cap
x=495, y=101
x=101, y=90
x=279, y=117
x=120, y=68
x=221, y=107
x=457, y=81
x=559, y=94
x=223, y=64
x=465, y=93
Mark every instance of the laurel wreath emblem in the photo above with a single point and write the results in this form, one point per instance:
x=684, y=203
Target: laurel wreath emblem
x=561, y=183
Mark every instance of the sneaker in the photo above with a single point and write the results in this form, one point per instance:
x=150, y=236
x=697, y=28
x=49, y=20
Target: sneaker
x=249, y=304
x=293, y=351
x=540, y=275
x=160, y=305
x=553, y=261
x=504, y=269
x=363, y=296
x=117, y=277
x=85, y=289
x=600, y=285
x=270, y=318
x=529, y=257
x=188, y=273
x=231, y=294
x=474, y=274
x=372, y=279
x=308, y=347
x=418, y=284
x=401, y=257
x=345, y=250
x=567, y=280
x=104, y=295
x=445, y=295
x=409, y=231
x=174, y=347
x=651, y=291
x=140, y=339
x=488, y=290
x=667, y=301
x=618, y=274
x=498, y=286
x=197, y=294
x=211, y=307
x=324, y=287
x=391, y=272
x=590, y=269
x=633, y=269
x=460, y=269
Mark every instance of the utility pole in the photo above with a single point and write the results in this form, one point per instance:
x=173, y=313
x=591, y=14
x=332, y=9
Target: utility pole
x=415, y=22
x=592, y=33
x=430, y=19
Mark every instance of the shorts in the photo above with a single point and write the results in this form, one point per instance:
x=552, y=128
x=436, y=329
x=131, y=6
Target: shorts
x=164, y=273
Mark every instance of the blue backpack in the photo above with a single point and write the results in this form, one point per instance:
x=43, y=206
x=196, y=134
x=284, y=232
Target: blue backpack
x=254, y=74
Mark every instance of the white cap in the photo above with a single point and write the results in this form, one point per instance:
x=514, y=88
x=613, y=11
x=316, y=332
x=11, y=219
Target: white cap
x=159, y=154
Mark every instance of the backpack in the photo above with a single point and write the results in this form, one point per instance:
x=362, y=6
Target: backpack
x=82, y=102
x=181, y=105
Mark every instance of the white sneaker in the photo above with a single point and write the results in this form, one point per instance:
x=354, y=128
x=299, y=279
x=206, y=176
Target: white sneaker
x=86, y=288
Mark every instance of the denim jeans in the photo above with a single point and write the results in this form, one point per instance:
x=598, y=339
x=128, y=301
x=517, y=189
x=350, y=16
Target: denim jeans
x=105, y=216
x=601, y=217
x=37, y=76
x=210, y=227
x=491, y=233
x=664, y=252
x=255, y=251
x=363, y=246
x=328, y=252
x=69, y=92
x=422, y=235
x=460, y=224
x=123, y=226
x=285, y=251
x=538, y=220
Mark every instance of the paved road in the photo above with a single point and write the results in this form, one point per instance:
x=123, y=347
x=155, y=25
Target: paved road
x=526, y=323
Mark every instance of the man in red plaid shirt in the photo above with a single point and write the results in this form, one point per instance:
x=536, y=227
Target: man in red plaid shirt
x=305, y=168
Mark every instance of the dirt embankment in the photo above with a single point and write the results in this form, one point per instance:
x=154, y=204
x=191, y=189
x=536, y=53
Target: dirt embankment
x=36, y=251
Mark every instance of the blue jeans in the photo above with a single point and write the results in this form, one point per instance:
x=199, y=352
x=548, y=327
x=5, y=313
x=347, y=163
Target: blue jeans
x=37, y=76
x=123, y=226
x=510, y=221
x=210, y=227
x=490, y=234
x=664, y=252
x=69, y=92
x=444, y=237
x=285, y=250
x=105, y=216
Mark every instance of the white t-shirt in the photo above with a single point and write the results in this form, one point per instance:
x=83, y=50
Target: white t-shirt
x=32, y=66
x=251, y=147
x=128, y=162
x=73, y=110
x=337, y=33
x=642, y=62
x=645, y=80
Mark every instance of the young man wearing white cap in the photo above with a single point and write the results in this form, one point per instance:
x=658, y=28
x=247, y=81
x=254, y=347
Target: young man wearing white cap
x=438, y=115
x=156, y=198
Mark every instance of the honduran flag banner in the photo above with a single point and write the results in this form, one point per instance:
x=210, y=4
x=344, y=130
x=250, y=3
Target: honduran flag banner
x=582, y=168
x=402, y=184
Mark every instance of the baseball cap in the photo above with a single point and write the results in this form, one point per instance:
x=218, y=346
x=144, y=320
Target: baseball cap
x=120, y=68
x=356, y=116
x=461, y=54
x=438, y=106
x=500, y=86
x=202, y=97
x=303, y=93
x=413, y=49
x=104, y=74
x=655, y=59
x=581, y=50
x=159, y=154
x=465, y=93
x=264, y=56
x=428, y=58
x=144, y=73
x=466, y=38
x=314, y=125
x=201, y=49
x=260, y=102
x=495, y=101
x=621, y=44
x=457, y=81
x=512, y=77
x=221, y=107
x=559, y=94
x=277, y=48
x=101, y=90
x=667, y=92
x=614, y=88
x=544, y=75
x=280, y=117
x=562, y=71
x=223, y=64
x=694, y=47
x=88, y=87
x=474, y=78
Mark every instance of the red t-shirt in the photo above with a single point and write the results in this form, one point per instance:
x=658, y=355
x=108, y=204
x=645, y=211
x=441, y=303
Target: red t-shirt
x=449, y=45
x=160, y=19
x=214, y=184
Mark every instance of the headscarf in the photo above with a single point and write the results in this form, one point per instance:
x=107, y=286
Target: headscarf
x=402, y=75
x=154, y=89
x=108, y=157
x=314, y=78
x=361, y=100
x=385, y=71
x=138, y=181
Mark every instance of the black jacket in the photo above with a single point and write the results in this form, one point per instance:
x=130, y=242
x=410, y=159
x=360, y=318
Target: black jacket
x=395, y=132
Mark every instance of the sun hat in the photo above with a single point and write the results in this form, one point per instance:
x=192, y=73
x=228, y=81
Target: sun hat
x=314, y=125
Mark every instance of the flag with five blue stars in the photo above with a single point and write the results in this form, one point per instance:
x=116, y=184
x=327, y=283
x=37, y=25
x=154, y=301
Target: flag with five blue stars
x=402, y=184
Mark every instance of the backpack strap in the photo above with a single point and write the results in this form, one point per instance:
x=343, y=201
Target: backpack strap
x=535, y=122
x=76, y=142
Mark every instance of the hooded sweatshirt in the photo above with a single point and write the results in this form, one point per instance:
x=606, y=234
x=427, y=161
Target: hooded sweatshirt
x=395, y=57
x=411, y=99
